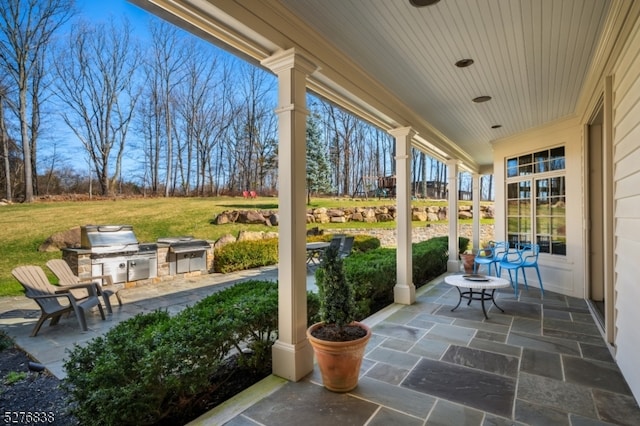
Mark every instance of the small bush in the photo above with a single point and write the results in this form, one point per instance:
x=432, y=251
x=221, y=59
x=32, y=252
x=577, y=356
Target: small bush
x=5, y=341
x=243, y=255
x=337, y=305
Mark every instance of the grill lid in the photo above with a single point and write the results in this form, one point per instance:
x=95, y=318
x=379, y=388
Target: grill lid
x=108, y=238
x=184, y=244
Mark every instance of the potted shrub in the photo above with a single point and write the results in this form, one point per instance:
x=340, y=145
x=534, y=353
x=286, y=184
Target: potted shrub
x=468, y=258
x=338, y=340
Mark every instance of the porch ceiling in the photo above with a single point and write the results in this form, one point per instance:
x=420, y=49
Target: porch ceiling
x=393, y=63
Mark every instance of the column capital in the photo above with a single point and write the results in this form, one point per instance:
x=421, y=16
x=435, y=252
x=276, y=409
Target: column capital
x=401, y=132
x=284, y=60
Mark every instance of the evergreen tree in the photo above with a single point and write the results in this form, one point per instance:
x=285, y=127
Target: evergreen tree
x=318, y=172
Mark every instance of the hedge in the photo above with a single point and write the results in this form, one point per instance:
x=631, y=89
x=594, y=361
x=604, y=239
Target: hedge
x=242, y=255
x=153, y=367
x=373, y=274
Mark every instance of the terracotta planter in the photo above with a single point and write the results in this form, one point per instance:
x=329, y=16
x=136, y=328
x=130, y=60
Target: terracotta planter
x=468, y=259
x=339, y=362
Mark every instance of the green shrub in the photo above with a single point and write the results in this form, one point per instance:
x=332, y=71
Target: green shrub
x=5, y=341
x=337, y=305
x=364, y=243
x=243, y=255
x=373, y=274
x=154, y=367
x=361, y=242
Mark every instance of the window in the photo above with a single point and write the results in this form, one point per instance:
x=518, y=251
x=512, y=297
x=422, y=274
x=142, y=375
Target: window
x=536, y=200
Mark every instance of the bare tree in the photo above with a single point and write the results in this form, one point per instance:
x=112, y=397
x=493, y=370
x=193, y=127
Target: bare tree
x=253, y=135
x=96, y=84
x=165, y=68
x=206, y=111
x=4, y=138
x=26, y=30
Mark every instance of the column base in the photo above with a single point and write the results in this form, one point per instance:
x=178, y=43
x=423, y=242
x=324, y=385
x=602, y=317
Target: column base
x=292, y=362
x=405, y=294
x=453, y=266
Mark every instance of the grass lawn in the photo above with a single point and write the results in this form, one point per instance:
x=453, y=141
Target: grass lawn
x=26, y=226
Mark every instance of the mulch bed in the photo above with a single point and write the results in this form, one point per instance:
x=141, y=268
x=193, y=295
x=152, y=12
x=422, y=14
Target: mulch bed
x=42, y=393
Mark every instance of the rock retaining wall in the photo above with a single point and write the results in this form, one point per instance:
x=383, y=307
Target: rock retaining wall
x=387, y=237
x=323, y=215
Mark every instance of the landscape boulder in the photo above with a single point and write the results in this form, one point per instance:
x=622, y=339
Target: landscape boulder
x=66, y=239
x=224, y=240
x=251, y=217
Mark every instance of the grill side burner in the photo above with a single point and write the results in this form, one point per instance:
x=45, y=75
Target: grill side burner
x=186, y=254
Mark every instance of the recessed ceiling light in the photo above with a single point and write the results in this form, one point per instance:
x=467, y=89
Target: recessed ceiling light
x=463, y=63
x=422, y=3
x=482, y=99
x=496, y=126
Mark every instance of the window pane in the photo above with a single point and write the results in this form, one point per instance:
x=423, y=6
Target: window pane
x=526, y=164
x=524, y=189
x=557, y=186
x=542, y=189
x=557, y=158
x=559, y=247
x=543, y=208
x=512, y=191
x=541, y=160
x=545, y=244
x=512, y=167
x=525, y=225
x=543, y=225
x=525, y=159
x=525, y=208
x=512, y=224
x=513, y=207
x=558, y=227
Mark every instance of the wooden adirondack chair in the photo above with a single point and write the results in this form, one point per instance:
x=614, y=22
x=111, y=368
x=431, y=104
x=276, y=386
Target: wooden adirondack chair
x=66, y=277
x=48, y=297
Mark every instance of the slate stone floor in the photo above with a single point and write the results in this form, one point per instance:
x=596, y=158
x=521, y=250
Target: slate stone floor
x=542, y=362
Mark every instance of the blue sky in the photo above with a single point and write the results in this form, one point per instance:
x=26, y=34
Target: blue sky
x=101, y=9
x=67, y=143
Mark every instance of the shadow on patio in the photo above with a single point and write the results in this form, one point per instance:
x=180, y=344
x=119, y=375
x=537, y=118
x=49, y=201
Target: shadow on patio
x=543, y=361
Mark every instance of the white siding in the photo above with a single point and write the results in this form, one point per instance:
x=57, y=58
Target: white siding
x=626, y=141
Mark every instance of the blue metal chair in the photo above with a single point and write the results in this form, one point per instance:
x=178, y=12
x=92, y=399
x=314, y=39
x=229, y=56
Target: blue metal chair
x=492, y=256
x=530, y=254
x=524, y=257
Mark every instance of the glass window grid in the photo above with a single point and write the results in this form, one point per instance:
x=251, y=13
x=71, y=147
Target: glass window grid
x=543, y=210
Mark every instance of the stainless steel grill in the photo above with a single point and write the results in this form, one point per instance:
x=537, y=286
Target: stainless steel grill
x=115, y=251
x=186, y=254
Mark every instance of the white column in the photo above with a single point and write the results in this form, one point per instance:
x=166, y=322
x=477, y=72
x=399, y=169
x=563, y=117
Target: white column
x=292, y=353
x=476, y=211
x=404, y=291
x=453, y=264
